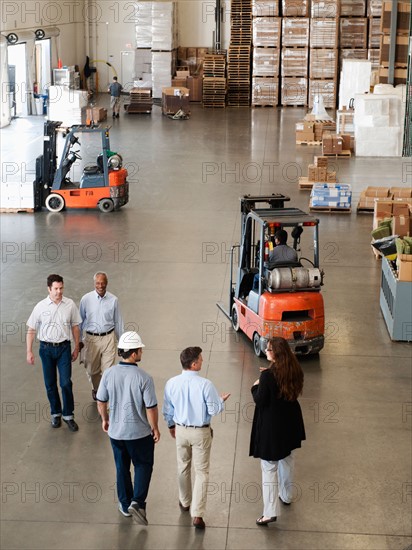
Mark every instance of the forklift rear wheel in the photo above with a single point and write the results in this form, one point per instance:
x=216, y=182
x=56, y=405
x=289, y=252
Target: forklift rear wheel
x=256, y=345
x=54, y=202
x=106, y=205
x=235, y=318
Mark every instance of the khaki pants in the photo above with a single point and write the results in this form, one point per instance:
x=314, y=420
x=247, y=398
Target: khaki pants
x=193, y=446
x=99, y=354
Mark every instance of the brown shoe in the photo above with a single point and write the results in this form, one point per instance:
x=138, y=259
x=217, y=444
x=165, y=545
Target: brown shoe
x=199, y=523
x=183, y=508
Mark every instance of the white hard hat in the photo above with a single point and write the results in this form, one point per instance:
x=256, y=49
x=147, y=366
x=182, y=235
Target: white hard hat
x=130, y=340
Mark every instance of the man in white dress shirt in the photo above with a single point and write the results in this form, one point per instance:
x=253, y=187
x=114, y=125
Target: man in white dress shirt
x=54, y=319
x=102, y=323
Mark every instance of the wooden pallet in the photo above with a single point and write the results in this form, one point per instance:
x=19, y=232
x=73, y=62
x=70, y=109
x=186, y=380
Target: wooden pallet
x=364, y=210
x=343, y=155
x=299, y=142
x=16, y=210
x=305, y=184
x=330, y=210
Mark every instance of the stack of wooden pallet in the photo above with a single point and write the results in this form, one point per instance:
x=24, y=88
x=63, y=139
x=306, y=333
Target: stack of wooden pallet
x=140, y=101
x=214, y=80
x=238, y=69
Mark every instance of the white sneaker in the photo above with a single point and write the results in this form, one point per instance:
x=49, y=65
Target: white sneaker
x=126, y=514
x=138, y=514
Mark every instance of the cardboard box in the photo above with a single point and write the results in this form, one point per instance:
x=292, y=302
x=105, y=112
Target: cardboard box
x=401, y=225
x=195, y=85
x=321, y=161
x=405, y=267
x=377, y=192
x=331, y=177
x=179, y=82
x=401, y=192
x=327, y=143
x=182, y=73
x=383, y=209
x=400, y=208
x=173, y=99
x=346, y=142
x=96, y=114
x=337, y=144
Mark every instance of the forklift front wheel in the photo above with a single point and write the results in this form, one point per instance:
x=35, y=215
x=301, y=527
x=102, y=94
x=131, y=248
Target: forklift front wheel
x=106, y=205
x=235, y=318
x=54, y=202
x=256, y=345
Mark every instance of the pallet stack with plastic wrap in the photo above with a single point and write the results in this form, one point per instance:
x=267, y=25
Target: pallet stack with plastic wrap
x=295, y=52
x=402, y=41
x=266, y=32
x=353, y=30
x=324, y=29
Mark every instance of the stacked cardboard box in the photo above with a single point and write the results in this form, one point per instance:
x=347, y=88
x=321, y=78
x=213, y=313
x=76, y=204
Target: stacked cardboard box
x=402, y=41
x=352, y=8
x=322, y=8
x=353, y=32
x=265, y=8
x=380, y=200
x=404, y=265
x=323, y=63
x=266, y=34
x=295, y=8
x=192, y=59
x=305, y=131
x=318, y=171
x=295, y=62
x=324, y=88
x=295, y=32
x=336, y=144
x=294, y=91
x=374, y=8
x=337, y=196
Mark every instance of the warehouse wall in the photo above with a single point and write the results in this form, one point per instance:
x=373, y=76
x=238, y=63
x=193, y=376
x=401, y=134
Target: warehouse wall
x=34, y=14
x=111, y=27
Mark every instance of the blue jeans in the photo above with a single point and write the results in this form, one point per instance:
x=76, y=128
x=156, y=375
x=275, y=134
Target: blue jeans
x=58, y=358
x=141, y=453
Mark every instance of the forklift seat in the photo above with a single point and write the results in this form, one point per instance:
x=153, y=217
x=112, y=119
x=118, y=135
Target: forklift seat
x=91, y=169
x=246, y=283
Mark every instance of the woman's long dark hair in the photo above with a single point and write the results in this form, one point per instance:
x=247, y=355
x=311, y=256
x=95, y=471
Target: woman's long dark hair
x=286, y=369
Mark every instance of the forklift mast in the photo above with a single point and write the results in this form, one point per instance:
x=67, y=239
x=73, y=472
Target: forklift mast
x=46, y=164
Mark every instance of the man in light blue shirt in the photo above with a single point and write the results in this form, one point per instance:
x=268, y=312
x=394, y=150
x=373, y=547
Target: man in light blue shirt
x=102, y=323
x=190, y=401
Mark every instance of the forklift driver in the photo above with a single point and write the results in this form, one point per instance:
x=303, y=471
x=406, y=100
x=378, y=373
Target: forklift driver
x=282, y=253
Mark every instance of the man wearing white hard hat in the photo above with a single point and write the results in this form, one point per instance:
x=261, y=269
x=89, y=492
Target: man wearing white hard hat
x=132, y=425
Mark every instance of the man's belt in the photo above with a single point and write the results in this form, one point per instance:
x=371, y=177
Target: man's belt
x=54, y=344
x=188, y=426
x=99, y=333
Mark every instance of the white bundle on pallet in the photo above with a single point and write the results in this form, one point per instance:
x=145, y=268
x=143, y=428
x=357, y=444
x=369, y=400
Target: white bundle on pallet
x=378, y=125
x=144, y=25
x=355, y=78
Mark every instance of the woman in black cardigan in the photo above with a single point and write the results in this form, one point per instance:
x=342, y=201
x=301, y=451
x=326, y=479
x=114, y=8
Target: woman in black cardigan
x=277, y=427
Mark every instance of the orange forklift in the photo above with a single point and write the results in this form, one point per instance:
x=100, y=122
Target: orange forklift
x=283, y=299
x=102, y=185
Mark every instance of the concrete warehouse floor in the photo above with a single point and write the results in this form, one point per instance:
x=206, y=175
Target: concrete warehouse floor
x=166, y=253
